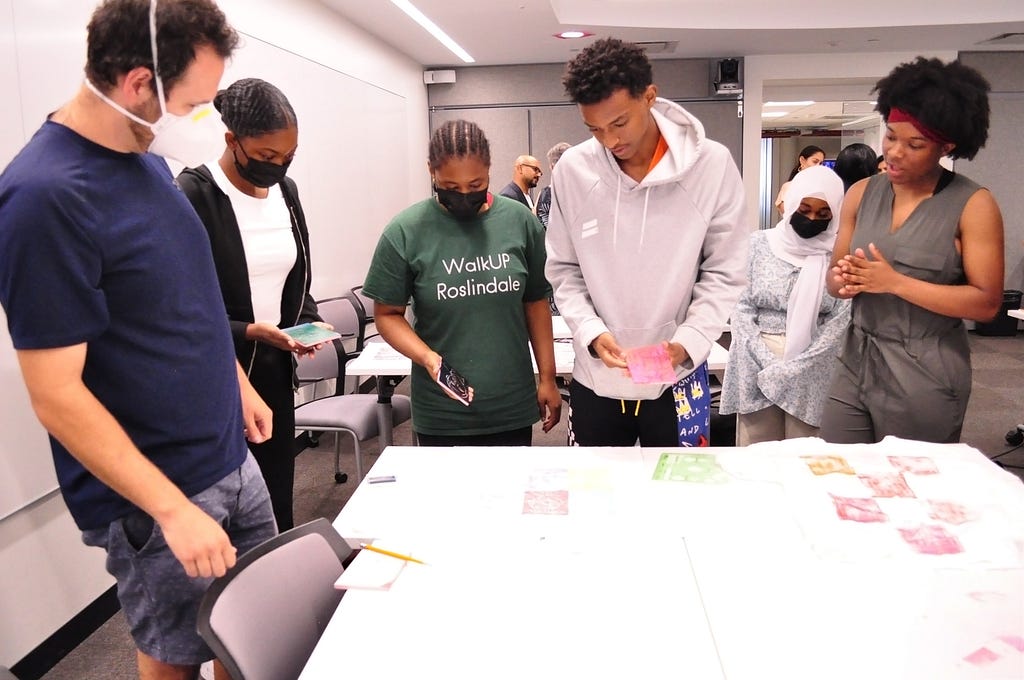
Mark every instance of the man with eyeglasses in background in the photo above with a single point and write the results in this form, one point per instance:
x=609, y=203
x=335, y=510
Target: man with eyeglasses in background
x=525, y=175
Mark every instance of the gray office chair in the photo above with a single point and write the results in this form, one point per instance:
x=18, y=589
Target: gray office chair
x=345, y=314
x=289, y=580
x=352, y=414
x=365, y=302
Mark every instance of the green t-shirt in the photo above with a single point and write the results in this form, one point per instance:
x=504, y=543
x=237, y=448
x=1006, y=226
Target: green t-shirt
x=467, y=281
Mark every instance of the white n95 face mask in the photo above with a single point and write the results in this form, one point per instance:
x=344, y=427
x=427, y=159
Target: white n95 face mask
x=192, y=139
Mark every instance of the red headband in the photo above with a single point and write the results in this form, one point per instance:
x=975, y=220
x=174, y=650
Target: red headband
x=901, y=116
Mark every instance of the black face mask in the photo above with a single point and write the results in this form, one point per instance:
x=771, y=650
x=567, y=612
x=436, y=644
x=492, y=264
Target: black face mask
x=461, y=206
x=259, y=173
x=805, y=227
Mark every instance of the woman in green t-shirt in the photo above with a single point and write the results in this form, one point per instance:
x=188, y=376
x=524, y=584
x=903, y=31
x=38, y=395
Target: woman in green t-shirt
x=472, y=265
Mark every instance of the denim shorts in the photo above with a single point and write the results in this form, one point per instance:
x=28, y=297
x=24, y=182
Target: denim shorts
x=159, y=599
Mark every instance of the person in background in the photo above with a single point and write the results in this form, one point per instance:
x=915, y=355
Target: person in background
x=855, y=162
x=544, y=201
x=920, y=248
x=647, y=247
x=544, y=205
x=809, y=156
x=136, y=381
x=786, y=329
x=473, y=267
x=260, y=242
x=881, y=164
x=525, y=174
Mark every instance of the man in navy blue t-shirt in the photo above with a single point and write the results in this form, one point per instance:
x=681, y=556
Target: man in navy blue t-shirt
x=114, y=309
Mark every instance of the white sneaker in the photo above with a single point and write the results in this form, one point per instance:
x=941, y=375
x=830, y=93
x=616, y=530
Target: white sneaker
x=206, y=671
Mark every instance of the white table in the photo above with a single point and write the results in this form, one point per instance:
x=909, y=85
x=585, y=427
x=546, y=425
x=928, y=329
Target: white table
x=385, y=363
x=752, y=578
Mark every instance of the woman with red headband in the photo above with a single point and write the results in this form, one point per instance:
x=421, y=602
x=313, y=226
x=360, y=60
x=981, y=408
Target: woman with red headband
x=920, y=248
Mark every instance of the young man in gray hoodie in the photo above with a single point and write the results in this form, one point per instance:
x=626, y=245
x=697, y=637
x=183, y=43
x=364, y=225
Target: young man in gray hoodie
x=646, y=245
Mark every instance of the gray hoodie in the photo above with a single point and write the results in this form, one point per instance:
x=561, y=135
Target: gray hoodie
x=662, y=259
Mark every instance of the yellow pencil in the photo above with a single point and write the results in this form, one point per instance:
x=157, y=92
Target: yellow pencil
x=389, y=553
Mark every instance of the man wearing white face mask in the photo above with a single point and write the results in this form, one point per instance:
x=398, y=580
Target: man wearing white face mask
x=113, y=307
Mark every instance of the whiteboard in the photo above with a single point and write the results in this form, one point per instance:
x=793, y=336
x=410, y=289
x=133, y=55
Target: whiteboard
x=351, y=169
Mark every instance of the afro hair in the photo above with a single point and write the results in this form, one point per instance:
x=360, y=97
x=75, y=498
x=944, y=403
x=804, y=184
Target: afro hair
x=949, y=98
x=605, y=66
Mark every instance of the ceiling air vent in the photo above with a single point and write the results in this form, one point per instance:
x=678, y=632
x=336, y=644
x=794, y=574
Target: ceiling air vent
x=659, y=46
x=1004, y=39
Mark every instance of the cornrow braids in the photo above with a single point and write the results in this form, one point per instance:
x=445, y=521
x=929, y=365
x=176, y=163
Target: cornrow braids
x=252, y=107
x=458, y=139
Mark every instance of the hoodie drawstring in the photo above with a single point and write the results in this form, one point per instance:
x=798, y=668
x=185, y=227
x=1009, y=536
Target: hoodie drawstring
x=636, y=412
x=615, y=222
x=643, y=223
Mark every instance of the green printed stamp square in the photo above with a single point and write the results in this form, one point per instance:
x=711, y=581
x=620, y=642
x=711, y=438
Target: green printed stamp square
x=696, y=468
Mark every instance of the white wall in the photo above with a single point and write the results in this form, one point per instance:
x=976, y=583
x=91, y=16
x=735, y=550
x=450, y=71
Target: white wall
x=761, y=69
x=358, y=190
x=48, y=575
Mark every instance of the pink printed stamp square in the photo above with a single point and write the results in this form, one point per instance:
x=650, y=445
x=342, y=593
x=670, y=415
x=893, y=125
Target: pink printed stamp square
x=859, y=509
x=546, y=503
x=650, y=364
x=916, y=465
x=931, y=539
x=887, y=486
x=949, y=512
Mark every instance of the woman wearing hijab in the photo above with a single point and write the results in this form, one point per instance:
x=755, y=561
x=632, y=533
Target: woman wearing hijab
x=786, y=329
x=919, y=250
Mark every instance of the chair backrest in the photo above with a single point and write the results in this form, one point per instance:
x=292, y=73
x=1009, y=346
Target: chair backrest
x=365, y=302
x=346, y=315
x=327, y=364
x=289, y=579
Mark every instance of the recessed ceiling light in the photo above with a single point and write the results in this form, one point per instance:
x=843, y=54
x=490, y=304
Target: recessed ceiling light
x=570, y=35
x=774, y=114
x=803, y=103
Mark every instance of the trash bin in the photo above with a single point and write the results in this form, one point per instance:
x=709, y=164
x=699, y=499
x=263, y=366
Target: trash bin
x=1003, y=324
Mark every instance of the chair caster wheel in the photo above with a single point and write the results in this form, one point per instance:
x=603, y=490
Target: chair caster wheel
x=312, y=442
x=340, y=477
x=1015, y=437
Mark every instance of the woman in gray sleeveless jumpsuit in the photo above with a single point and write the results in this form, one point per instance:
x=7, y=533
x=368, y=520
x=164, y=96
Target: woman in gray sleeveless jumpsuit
x=919, y=249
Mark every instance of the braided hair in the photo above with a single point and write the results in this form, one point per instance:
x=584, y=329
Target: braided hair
x=458, y=139
x=252, y=107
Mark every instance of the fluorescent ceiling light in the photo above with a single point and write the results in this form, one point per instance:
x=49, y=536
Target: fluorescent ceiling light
x=774, y=114
x=864, y=119
x=569, y=35
x=804, y=103
x=432, y=28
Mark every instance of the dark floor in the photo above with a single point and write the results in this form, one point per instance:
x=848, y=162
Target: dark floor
x=997, y=405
